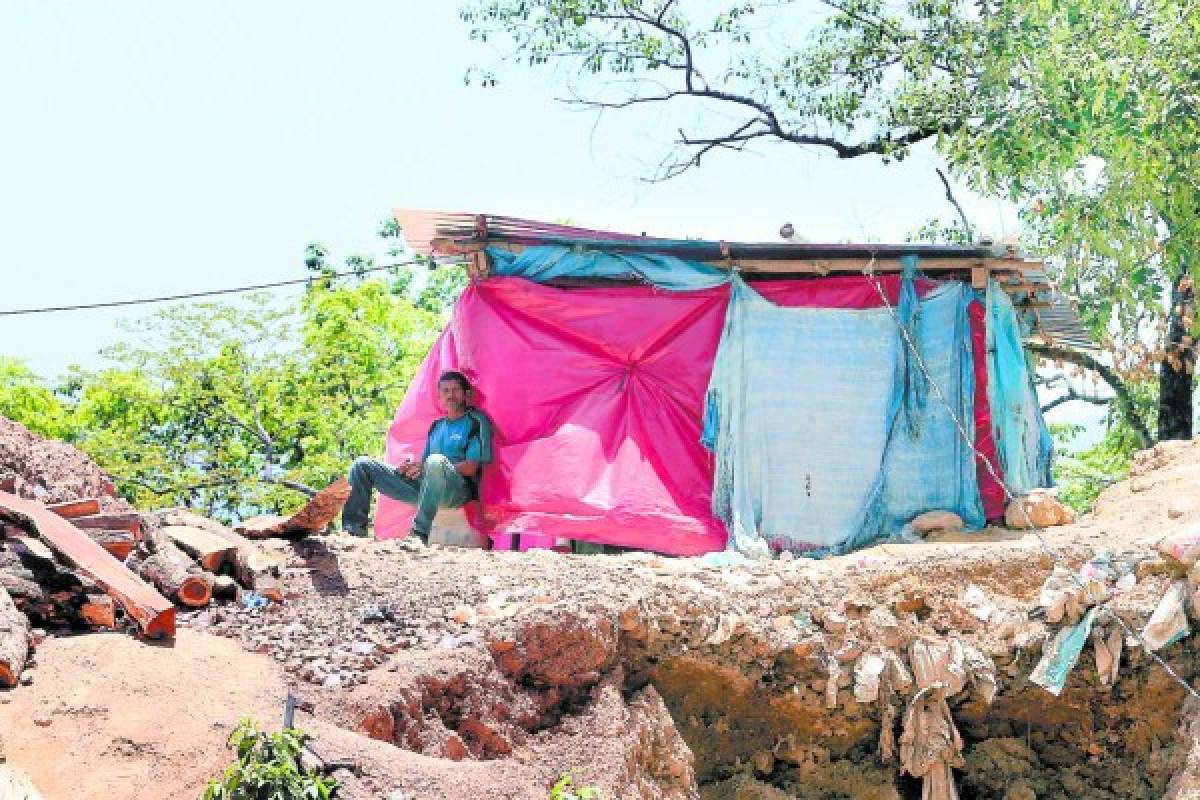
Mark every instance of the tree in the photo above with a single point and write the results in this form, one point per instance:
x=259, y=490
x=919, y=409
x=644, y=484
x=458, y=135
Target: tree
x=1084, y=111
x=27, y=399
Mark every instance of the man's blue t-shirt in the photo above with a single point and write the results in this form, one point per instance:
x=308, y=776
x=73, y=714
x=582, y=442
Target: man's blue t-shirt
x=454, y=440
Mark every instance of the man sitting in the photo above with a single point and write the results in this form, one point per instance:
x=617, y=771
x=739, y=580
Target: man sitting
x=456, y=448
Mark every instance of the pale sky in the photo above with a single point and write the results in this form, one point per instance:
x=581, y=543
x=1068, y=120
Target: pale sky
x=152, y=148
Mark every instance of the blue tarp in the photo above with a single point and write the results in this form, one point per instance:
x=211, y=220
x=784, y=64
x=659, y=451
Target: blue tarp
x=1023, y=441
x=545, y=263
x=825, y=436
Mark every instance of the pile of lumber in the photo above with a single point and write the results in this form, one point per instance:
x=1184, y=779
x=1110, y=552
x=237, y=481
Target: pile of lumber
x=54, y=574
x=73, y=565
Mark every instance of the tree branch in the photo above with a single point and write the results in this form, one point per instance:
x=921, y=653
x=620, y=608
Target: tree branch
x=954, y=202
x=1073, y=395
x=1124, y=397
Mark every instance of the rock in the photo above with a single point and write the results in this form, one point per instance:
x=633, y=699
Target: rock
x=764, y=762
x=834, y=622
x=936, y=521
x=1041, y=508
x=1142, y=484
x=362, y=648
x=1181, y=506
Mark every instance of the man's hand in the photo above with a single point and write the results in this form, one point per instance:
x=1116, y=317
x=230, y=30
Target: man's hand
x=467, y=468
x=411, y=470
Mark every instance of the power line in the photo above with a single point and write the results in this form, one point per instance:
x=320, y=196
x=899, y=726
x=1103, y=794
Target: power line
x=192, y=295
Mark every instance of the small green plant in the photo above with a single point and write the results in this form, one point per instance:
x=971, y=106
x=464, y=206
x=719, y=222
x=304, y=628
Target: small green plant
x=268, y=768
x=565, y=789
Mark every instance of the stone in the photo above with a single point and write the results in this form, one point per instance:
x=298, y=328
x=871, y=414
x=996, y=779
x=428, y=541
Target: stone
x=1041, y=508
x=1181, y=506
x=936, y=521
x=834, y=622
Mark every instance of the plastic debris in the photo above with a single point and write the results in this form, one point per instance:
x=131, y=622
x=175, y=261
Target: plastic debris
x=253, y=600
x=940, y=663
x=930, y=744
x=1061, y=653
x=1168, y=624
x=1107, y=641
x=832, y=683
x=1183, y=545
x=867, y=673
x=978, y=604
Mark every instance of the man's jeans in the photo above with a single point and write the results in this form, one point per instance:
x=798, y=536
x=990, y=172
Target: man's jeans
x=438, y=487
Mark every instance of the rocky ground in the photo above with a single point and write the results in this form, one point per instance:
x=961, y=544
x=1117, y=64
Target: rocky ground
x=455, y=673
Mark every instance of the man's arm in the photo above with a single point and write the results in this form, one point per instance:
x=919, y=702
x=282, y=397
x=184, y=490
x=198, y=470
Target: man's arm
x=467, y=469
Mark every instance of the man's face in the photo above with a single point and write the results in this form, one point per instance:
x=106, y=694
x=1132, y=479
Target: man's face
x=452, y=395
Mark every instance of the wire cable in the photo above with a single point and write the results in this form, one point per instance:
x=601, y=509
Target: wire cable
x=192, y=295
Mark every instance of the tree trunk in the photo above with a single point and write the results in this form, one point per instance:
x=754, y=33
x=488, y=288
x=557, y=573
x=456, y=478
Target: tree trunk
x=14, y=641
x=1175, y=372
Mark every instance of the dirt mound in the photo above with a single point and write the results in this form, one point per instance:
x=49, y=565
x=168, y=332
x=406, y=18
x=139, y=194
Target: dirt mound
x=459, y=673
x=51, y=471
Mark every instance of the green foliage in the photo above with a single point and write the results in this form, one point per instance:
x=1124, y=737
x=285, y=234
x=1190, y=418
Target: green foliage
x=1082, y=476
x=229, y=407
x=565, y=789
x=934, y=231
x=1085, y=112
x=25, y=398
x=268, y=768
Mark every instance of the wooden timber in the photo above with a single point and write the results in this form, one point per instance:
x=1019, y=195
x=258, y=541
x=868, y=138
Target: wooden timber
x=254, y=567
x=210, y=551
x=14, y=641
x=76, y=508
x=153, y=613
x=131, y=522
x=119, y=543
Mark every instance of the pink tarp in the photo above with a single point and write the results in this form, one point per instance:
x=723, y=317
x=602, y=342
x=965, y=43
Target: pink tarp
x=597, y=398
x=597, y=395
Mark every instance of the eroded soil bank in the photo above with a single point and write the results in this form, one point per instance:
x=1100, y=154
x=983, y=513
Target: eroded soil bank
x=456, y=674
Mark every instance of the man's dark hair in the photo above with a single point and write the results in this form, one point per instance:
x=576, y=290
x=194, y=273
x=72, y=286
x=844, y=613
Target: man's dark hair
x=455, y=375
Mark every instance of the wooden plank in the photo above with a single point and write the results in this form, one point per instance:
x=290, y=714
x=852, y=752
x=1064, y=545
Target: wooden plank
x=979, y=277
x=119, y=543
x=154, y=614
x=209, y=549
x=112, y=522
x=76, y=508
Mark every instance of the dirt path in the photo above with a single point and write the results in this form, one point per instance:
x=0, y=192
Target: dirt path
x=110, y=717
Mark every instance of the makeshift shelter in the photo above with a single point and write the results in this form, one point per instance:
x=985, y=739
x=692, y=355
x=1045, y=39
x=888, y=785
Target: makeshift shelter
x=686, y=396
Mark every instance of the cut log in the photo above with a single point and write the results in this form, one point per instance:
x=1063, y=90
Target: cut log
x=14, y=641
x=254, y=567
x=111, y=522
x=210, y=550
x=321, y=509
x=316, y=514
x=119, y=543
x=174, y=581
x=75, y=508
x=154, y=614
x=263, y=526
x=99, y=611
